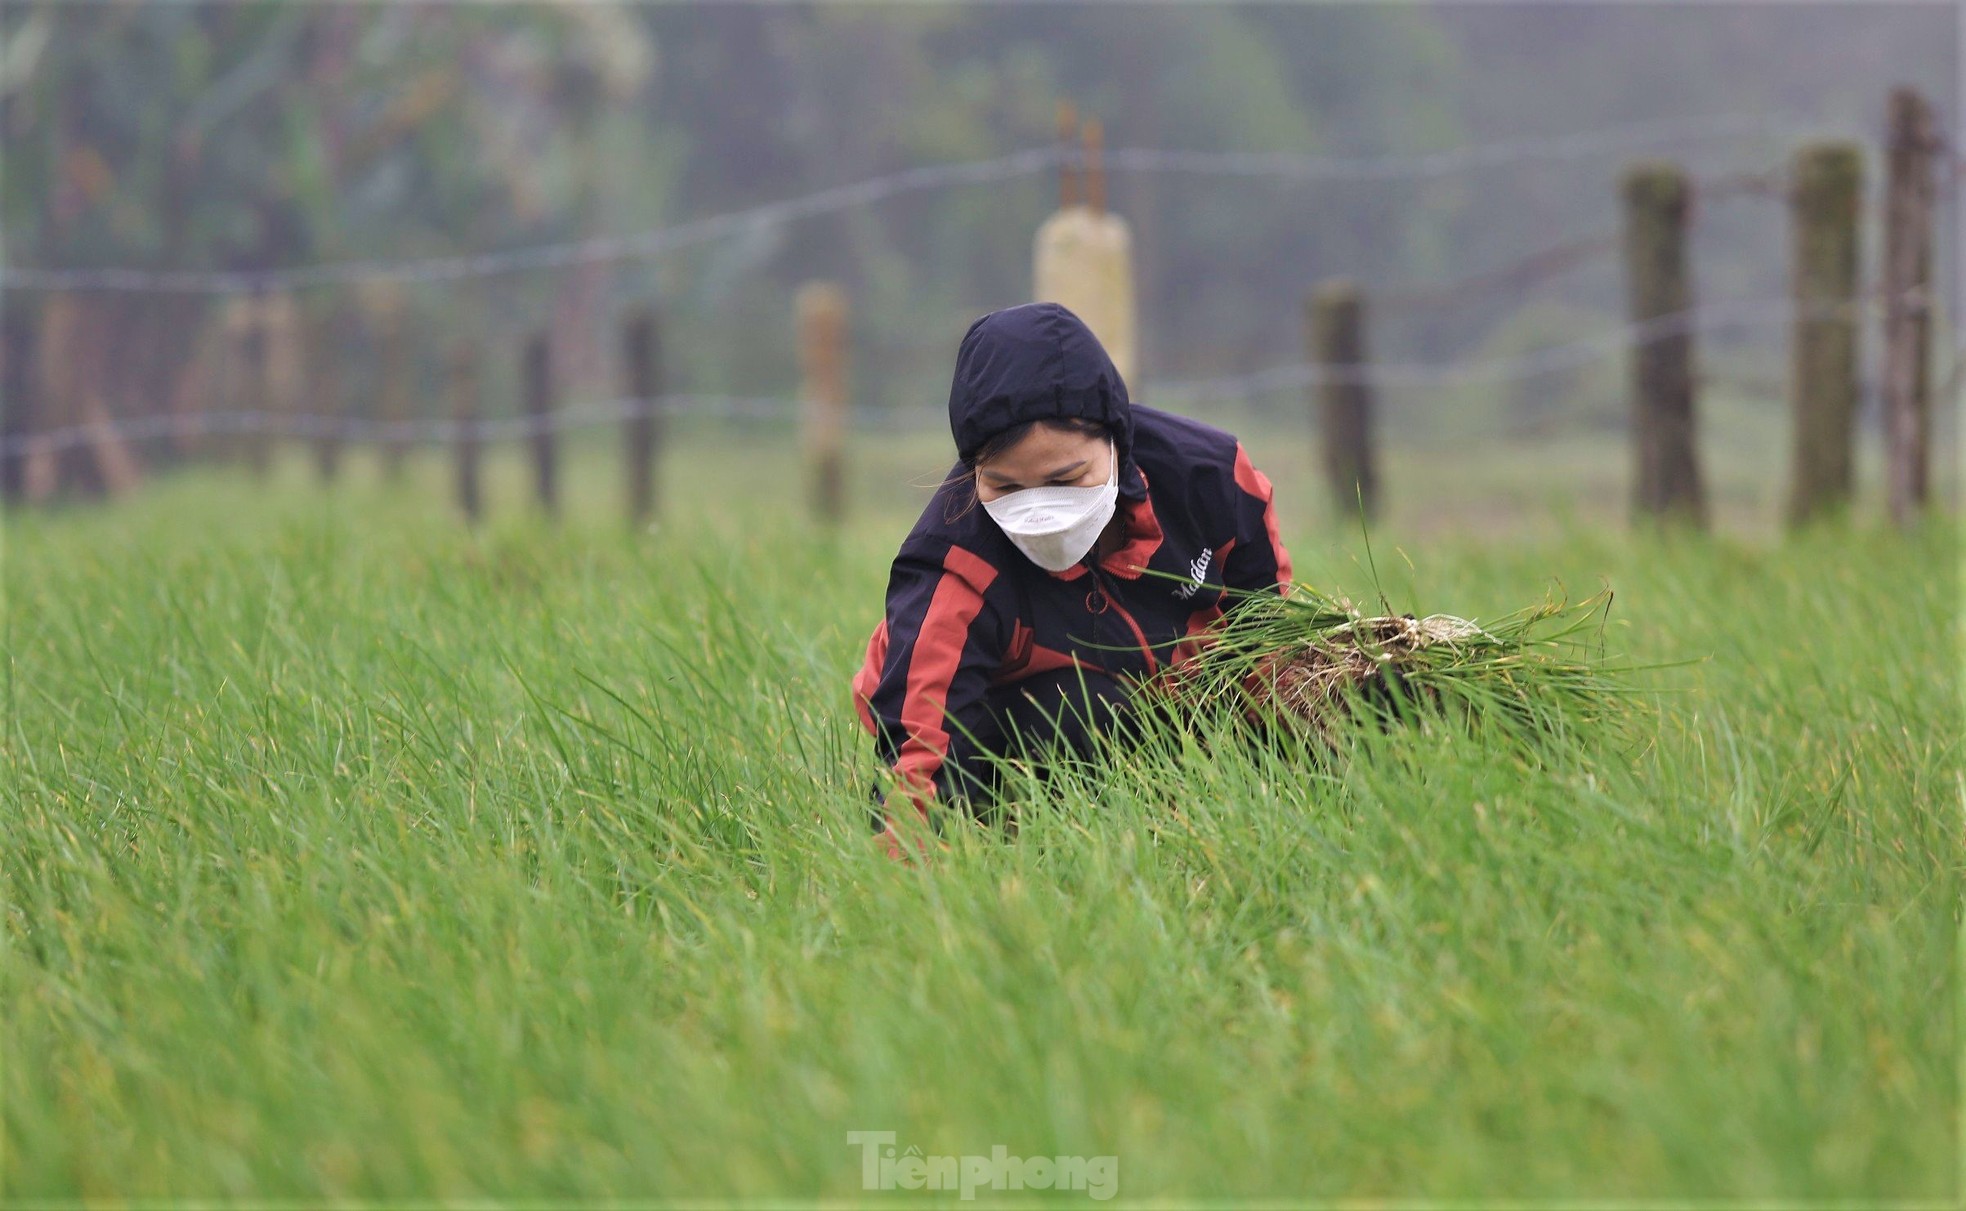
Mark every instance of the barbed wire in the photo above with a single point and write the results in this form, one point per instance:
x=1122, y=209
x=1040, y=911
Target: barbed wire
x=1525, y=271
x=1629, y=137
x=1545, y=263
x=1708, y=319
x=656, y=242
x=358, y=430
x=544, y=256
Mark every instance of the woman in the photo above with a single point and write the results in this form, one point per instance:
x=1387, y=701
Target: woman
x=1079, y=547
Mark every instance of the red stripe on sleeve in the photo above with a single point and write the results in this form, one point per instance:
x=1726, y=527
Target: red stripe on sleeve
x=868, y=679
x=1254, y=482
x=938, y=653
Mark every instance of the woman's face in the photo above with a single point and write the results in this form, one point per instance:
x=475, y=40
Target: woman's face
x=1046, y=457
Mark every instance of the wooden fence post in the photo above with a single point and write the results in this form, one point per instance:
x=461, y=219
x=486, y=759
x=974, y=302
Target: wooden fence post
x=42, y=474
x=1069, y=168
x=70, y=359
x=1823, y=360
x=470, y=438
x=822, y=311
x=1908, y=305
x=1092, y=137
x=1344, y=398
x=1665, y=404
x=1082, y=257
x=641, y=347
x=538, y=376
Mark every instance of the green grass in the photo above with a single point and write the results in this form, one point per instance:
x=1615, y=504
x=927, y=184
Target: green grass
x=348, y=855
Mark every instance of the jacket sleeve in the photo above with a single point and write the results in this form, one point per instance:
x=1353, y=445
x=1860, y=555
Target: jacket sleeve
x=1258, y=559
x=943, y=639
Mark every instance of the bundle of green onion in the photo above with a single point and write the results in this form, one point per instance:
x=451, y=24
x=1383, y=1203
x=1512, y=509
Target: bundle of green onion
x=1317, y=660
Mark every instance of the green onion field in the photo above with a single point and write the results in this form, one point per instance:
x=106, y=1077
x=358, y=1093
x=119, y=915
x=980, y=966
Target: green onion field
x=351, y=855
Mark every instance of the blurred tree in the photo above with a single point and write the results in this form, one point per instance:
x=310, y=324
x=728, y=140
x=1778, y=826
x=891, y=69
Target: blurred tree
x=263, y=134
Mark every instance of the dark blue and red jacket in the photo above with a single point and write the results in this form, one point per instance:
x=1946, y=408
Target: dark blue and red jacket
x=968, y=612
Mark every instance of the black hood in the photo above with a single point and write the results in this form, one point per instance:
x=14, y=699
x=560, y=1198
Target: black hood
x=1031, y=363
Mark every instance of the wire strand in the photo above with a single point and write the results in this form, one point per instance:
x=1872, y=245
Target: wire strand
x=656, y=242
x=1708, y=319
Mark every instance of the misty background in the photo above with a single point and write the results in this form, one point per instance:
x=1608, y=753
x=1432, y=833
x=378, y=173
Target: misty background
x=271, y=136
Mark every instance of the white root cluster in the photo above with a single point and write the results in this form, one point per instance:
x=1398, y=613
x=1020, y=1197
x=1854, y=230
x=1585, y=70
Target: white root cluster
x=1311, y=680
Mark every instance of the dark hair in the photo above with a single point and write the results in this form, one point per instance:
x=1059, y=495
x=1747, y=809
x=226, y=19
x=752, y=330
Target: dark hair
x=1000, y=442
x=1016, y=433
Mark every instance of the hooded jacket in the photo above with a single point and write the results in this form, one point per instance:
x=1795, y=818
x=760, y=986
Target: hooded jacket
x=968, y=612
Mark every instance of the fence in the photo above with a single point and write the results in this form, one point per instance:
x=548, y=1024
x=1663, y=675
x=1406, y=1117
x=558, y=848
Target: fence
x=75, y=439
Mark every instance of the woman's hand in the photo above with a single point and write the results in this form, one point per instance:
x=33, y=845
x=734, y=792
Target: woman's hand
x=911, y=842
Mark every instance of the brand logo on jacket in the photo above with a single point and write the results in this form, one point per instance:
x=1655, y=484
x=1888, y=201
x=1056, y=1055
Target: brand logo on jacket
x=1197, y=568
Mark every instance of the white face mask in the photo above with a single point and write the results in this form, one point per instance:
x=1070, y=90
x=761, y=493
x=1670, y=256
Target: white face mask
x=1055, y=527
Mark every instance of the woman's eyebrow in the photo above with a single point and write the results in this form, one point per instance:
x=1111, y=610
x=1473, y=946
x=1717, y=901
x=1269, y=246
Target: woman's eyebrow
x=1060, y=473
